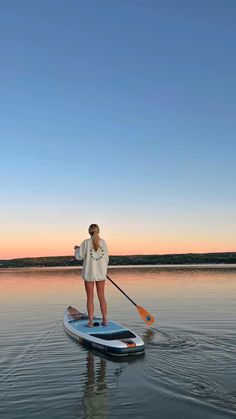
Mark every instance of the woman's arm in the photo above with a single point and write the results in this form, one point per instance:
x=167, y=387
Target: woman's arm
x=80, y=251
x=106, y=253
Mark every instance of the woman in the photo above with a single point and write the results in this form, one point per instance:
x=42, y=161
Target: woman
x=94, y=254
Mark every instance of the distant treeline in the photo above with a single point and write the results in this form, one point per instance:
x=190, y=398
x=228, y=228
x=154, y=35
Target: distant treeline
x=174, y=259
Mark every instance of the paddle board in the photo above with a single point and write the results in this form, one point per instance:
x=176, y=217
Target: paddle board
x=113, y=339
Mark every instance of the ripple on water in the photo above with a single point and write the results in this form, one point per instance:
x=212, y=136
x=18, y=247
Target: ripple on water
x=187, y=363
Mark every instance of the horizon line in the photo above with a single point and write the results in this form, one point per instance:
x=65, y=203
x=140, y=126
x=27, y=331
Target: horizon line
x=131, y=255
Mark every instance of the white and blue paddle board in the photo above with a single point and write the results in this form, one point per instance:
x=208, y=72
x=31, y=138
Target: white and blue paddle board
x=113, y=339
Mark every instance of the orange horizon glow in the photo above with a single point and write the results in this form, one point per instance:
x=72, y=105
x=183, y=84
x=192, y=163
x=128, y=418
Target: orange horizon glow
x=7, y=254
x=17, y=244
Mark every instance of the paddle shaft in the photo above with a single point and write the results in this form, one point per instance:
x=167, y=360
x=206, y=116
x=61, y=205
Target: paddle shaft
x=122, y=291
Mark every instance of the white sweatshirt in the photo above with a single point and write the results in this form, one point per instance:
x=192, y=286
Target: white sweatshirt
x=95, y=262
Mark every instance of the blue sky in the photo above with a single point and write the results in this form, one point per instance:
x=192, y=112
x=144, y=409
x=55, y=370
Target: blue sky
x=120, y=112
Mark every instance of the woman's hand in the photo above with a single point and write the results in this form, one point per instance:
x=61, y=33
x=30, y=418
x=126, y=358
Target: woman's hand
x=76, y=247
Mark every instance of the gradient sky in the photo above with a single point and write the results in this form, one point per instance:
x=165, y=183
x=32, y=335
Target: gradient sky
x=120, y=113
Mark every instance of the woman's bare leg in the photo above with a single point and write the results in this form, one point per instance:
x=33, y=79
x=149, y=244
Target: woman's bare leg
x=101, y=296
x=89, y=286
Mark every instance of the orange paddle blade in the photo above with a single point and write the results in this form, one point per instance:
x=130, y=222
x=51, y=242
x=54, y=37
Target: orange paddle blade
x=147, y=317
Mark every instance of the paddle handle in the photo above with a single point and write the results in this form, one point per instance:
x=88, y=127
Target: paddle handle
x=122, y=291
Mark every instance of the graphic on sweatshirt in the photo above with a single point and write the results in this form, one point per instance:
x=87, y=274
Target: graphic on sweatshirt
x=97, y=255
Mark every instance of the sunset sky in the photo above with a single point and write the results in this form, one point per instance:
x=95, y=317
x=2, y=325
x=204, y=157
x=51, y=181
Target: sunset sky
x=120, y=113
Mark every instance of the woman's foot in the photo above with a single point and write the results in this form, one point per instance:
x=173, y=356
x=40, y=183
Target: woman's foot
x=90, y=322
x=104, y=322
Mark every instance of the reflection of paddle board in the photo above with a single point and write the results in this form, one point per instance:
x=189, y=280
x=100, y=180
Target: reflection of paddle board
x=112, y=339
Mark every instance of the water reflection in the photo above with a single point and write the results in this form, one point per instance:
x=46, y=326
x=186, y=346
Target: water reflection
x=95, y=398
x=102, y=376
x=148, y=335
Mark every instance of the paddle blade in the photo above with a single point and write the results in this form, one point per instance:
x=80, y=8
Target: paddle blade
x=147, y=317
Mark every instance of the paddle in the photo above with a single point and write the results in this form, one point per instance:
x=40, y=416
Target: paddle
x=144, y=314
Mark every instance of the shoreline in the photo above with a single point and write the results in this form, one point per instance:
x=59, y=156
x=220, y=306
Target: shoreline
x=175, y=260
x=167, y=266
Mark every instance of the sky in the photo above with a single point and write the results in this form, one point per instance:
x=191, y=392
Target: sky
x=120, y=113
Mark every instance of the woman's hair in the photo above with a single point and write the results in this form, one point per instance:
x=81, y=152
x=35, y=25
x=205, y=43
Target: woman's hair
x=94, y=233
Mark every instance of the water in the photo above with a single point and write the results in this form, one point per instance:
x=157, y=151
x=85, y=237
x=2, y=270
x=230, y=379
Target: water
x=188, y=370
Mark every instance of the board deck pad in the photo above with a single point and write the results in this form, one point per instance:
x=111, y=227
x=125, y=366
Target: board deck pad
x=112, y=327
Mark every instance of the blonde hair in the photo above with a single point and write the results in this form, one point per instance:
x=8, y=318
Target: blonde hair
x=94, y=233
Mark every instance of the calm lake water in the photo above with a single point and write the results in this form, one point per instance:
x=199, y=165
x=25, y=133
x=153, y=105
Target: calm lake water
x=188, y=370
